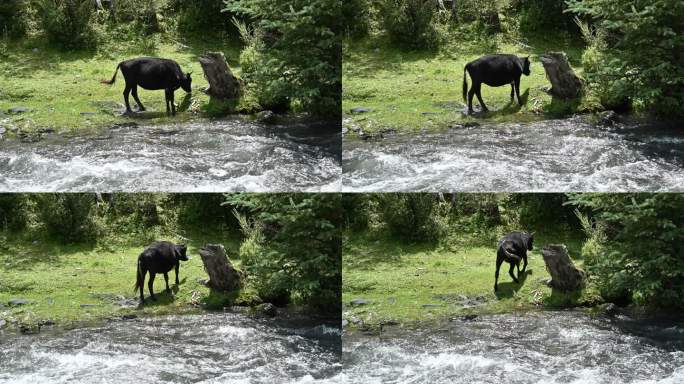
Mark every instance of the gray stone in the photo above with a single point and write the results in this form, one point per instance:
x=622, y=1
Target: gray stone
x=266, y=309
x=16, y=302
x=266, y=117
x=19, y=110
x=2, y=323
x=468, y=317
x=87, y=305
x=50, y=300
x=431, y=305
x=2, y=130
x=608, y=118
x=360, y=110
x=357, y=302
x=129, y=317
x=344, y=323
x=391, y=300
x=88, y=113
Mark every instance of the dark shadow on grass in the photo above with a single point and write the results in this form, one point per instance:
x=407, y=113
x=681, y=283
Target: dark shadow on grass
x=369, y=252
x=510, y=108
x=508, y=289
x=25, y=257
x=559, y=107
x=375, y=54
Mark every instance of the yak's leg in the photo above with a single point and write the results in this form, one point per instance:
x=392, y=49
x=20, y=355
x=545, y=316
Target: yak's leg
x=166, y=97
x=166, y=280
x=524, y=257
x=510, y=272
x=126, y=92
x=517, y=90
x=135, y=96
x=499, y=260
x=471, y=93
x=173, y=103
x=512, y=90
x=150, y=285
x=177, y=282
x=143, y=272
x=479, y=97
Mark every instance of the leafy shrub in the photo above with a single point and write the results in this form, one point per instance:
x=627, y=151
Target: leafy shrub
x=13, y=18
x=67, y=216
x=635, y=247
x=292, y=248
x=139, y=15
x=484, y=12
x=409, y=23
x=200, y=16
x=67, y=23
x=294, y=53
x=14, y=210
x=411, y=216
x=638, y=51
x=544, y=16
x=356, y=16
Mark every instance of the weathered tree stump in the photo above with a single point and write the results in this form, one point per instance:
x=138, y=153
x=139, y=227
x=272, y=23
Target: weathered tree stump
x=222, y=275
x=222, y=83
x=564, y=83
x=564, y=275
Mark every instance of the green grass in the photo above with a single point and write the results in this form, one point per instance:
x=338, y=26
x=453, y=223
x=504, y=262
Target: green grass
x=58, y=86
x=399, y=279
x=411, y=91
x=57, y=279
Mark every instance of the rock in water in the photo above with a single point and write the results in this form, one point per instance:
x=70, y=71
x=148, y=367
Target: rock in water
x=222, y=275
x=266, y=309
x=564, y=83
x=222, y=83
x=266, y=117
x=564, y=275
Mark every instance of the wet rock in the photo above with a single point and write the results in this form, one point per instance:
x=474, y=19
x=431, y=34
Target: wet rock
x=2, y=323
x=390, y=322
x=344, y=323
x=129, y=317
x=46, y=323
x=471, y=124
x=2, y=129
x=388, y=132
x=29, y=329
x=358, y=302
x=345, y=130
x=16, y=110
x=360, y=110
x=468, y=317
x=17, y=302
x=608, y=118
x=356, y=321
x=608, y=310
x=266, y=117
x=266, y=309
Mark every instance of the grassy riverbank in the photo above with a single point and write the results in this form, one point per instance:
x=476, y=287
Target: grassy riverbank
x=408, y=284
x=70, y=285
x=409, y=91
x=63, y=92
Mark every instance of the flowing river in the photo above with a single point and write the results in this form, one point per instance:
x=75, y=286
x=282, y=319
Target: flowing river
x=552, y=155
x=543, y=347
x=204, y=156
x=212, y=348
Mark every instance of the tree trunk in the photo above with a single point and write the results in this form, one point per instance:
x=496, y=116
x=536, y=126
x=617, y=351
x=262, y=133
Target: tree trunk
x=222, y=275
x=222, y=83
x=564, y=275
x=564, y=83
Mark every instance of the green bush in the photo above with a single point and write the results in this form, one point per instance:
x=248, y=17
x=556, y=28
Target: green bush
x=67, y=216
x=13, y=18
x=201, y=16
x=409, y=23
x=635, y=246
x=411, y=216
x=636, y=52
x=292, y=249
x=67, y=23
x=14, y=211
x=139, y=15
x=356, y=18
x=544, y=16
x=293, y=54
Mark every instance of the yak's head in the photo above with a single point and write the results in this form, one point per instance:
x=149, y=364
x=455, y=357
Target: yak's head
x=530, y=240
x=526, y=66
x=187, y=83
x=180, y=251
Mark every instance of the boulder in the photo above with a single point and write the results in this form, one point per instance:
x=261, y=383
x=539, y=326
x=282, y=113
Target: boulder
x=222, y=83
x=266, y=309
x=266, y=117
x=357, y=302
x=564, y=83
x=16, y=302
x=222, y=275
x=564, y=275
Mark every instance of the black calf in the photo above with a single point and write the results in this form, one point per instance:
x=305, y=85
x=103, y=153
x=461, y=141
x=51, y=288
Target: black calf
x=495, y=71
x=158, y=257
x=152, y=73
x=513, y=248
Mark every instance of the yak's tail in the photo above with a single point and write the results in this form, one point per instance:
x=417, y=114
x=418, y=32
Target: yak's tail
x=465, y=84
x=138, y=278
x=110, y=82
x=510, y=255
